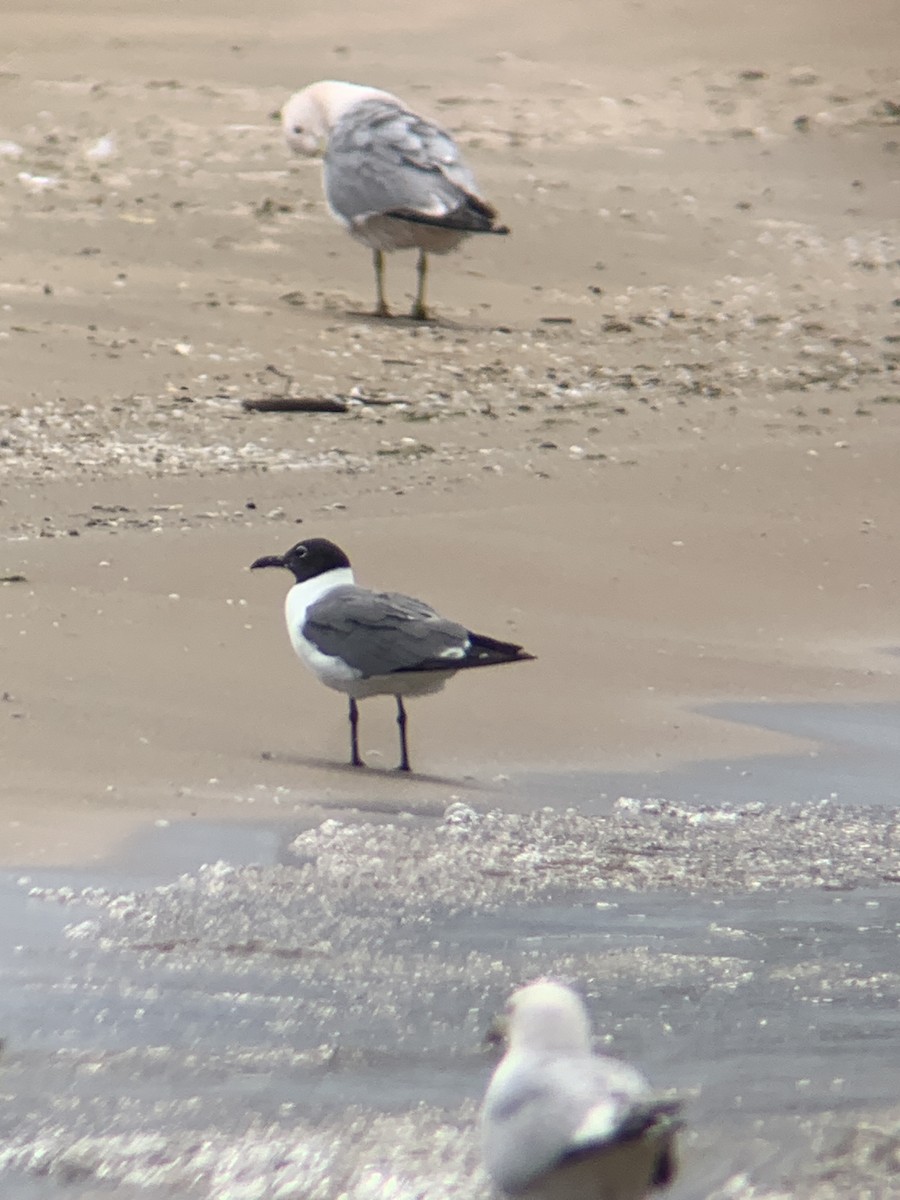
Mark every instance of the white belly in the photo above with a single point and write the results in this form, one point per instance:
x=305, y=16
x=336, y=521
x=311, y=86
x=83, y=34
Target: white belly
x=335, y=673
x=403, y=683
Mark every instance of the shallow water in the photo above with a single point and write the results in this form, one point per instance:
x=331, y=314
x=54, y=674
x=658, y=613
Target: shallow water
x=854, y=758
x=311, y=1026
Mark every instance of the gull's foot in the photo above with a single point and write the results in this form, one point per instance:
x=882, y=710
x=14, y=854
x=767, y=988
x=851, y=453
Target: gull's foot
x=382, y=311
x=419, y=312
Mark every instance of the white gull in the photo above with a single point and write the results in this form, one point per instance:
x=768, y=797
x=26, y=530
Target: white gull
x=393, y=179
x=561, y=1123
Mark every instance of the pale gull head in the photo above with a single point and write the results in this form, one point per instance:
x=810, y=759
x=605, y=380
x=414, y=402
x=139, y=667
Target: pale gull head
x=548, y=1018
x=309, y=115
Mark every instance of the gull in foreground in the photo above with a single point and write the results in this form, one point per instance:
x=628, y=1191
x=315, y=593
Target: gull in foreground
x=366, y=643
x=394, y=180
x=561, y=1123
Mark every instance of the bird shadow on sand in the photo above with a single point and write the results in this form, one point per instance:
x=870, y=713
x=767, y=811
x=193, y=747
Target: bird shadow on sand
x=405, y=321
x=398, y=318
x=403, y=778
x=344, y=308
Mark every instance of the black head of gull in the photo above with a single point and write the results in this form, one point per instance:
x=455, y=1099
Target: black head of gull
x=306, y=560
x=365, y=643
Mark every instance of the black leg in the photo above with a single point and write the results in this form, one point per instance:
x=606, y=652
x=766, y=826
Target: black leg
x=355, y=760
x=401, y=721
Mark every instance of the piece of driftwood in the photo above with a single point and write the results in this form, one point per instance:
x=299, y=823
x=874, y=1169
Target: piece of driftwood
x=313, y=404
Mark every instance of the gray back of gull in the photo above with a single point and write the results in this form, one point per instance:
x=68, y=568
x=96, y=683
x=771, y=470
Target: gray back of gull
x=382, y=158
x=380, y=632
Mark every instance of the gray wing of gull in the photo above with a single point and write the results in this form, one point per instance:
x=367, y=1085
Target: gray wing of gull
x=381, y=158
x=381, y=632
x=529, y=1122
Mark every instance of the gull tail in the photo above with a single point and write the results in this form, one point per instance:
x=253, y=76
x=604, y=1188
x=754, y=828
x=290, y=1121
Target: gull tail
x=472, y=216
x=488, y=652
x=481, y=651
x=652, y=1123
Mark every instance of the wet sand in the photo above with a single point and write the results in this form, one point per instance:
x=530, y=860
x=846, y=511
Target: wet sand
x=149, y=675
x=682, y=495
x=652, y=435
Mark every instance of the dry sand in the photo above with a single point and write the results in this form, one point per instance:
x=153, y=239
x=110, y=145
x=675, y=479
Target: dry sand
x=680, y=488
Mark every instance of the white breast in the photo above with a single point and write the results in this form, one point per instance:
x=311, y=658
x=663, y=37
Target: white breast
x=333, y=672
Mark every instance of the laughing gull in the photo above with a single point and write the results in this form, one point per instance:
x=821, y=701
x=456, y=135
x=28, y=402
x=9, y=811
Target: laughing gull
x=561, y=1123
x=366, y=643
x=394, y=180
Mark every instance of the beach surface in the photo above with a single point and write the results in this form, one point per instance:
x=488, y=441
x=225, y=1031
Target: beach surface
x=652, y=435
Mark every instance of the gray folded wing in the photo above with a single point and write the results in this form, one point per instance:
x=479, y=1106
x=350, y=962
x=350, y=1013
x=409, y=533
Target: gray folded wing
x=381, y=158
x=378, y=633
x=537, y=1119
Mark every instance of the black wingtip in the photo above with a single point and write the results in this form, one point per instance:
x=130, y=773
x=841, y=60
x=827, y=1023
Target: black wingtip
x=464, y=220
x=651, y=1114
x=658, y=1120
x=482, y=651
x=487, y=651
x=665, y=1169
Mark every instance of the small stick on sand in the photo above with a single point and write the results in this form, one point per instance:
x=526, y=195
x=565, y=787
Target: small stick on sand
x=312, y=404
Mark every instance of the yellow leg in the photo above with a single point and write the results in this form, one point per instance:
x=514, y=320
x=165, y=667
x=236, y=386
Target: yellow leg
x=419, y=311
x=381, y=306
